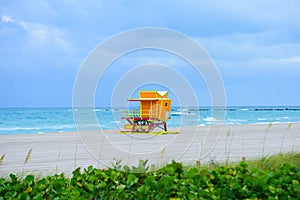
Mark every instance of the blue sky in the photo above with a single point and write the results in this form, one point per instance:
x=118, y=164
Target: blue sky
x=255, y=45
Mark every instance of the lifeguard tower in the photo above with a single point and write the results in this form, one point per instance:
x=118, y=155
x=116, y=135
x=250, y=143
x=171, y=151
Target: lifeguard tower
x=154, y=111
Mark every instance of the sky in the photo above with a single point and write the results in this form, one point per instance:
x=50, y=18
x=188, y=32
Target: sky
x=254, y=44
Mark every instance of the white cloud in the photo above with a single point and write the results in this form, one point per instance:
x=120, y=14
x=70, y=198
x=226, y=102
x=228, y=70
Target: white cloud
x=246, y=47
x=39, y=34
x=288, y=60
x=6, y=19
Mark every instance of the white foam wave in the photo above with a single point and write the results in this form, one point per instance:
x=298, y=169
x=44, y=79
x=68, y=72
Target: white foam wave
x=210, y=119
x=261, y=119
x=261, y=123
x=73, y=109
x=21, y=128
x=117, y=122
x=276, y=122
x=237, y=120
x=182, y=113
x=232, y=123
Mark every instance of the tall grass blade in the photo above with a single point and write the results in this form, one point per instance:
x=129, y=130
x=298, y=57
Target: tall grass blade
x=75, y=161
x=2, y=158
x=28, y=156
x=229, y=149
x=283, y=136
x=226, y=145
x=270, y=125
x=58, y=156
x=265, y=138
x=162, y=153
x=289, y=126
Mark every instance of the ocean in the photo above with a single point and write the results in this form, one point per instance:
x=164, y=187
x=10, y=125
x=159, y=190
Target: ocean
x=46, y=120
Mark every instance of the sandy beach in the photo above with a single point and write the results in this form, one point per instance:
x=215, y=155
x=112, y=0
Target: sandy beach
x=63, y=152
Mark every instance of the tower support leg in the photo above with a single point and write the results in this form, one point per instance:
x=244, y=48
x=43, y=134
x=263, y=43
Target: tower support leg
x=165, y=126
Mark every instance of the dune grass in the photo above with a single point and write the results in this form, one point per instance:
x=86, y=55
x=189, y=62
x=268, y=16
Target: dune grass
x=272, y=162
x=275, y=161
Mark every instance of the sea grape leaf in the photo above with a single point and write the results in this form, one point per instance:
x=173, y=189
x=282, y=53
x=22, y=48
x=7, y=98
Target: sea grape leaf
x=29, y=179
x=131, y=180
x=272, y=189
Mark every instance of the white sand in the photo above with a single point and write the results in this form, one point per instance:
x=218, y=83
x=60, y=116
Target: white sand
x=63, y=152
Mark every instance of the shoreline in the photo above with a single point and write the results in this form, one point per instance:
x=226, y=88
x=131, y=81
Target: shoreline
x=64, y=151
x=115, y=130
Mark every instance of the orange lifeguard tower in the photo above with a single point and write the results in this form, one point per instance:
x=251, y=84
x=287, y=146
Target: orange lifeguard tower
x=154, y=112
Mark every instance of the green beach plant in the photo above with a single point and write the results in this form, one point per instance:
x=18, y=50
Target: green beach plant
x=141, y=168
x=152, y=167
x=116, y=164
x=273, y=162
x=198, y=164
x=173, y=181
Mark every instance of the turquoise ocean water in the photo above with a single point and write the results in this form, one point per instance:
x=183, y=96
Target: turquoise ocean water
x=45, y=120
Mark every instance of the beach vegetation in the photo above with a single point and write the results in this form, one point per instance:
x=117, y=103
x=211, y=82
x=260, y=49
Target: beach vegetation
x=260, y=179
x=273, y=162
